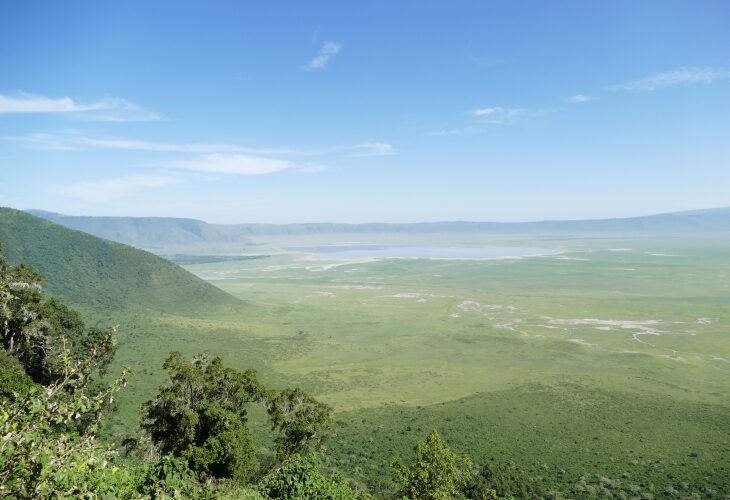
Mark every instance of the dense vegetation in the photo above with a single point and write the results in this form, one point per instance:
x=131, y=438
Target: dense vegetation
x=194, y=440
x=92, y=273
x=211, y=430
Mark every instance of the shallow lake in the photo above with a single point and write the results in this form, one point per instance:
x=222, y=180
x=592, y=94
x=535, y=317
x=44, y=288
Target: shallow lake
x=347, y=252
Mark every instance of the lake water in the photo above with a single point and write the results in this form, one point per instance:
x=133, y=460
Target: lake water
x=347, y=252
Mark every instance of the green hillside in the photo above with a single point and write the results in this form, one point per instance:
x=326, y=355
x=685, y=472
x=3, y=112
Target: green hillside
x=147, y=232
x=96, y=274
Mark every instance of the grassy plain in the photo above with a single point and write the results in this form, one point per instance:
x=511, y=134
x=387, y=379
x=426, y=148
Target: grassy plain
x=611, y=358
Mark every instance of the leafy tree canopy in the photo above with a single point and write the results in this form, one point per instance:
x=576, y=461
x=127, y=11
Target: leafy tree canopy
x=201, y=416
x=38, y=331
x=437, y=474
x=301, y=421
x=301, y=477
x=43, y=455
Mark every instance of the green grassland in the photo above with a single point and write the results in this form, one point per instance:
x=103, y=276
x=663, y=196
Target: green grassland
x=612, y=358
x=609, y=359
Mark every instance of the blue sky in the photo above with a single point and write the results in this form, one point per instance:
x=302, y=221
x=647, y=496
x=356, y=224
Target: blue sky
x=365, y=111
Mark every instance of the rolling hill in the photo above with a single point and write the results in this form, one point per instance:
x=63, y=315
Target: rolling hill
x=92, y=273
x=153, y=232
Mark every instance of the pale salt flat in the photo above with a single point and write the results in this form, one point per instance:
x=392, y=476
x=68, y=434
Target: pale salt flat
x=367, y=253
x=646, y=327
x=581, y=342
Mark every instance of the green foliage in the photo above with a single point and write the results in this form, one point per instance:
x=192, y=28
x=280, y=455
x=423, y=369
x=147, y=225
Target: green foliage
x=169, y=477
x=98, y=274
x=43, y=455
x=38, y=331
x=14, y=383
x=437, y=474
x=301, y=421
x=301, y=477
x=224, y=448
x=629, y=397
x=501, y=480
x=594, y=487
x=201, y=416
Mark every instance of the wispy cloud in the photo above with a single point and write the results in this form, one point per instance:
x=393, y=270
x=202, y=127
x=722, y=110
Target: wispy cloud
x=326, y=52
x=110, y=189
x=468, y=130
x=120, y=110
x=111, y=109
x=75, y=142
x=311, y=168
x=237, y=164
x=579, y=99
x=29, y=103
x=487, y=116
x=679, y=76
x=498, y=115
x=72, y=141
x=372, y=149
x=44, y=142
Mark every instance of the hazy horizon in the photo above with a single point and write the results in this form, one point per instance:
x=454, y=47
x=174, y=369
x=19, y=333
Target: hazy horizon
x=396, y=222
x=354, y=113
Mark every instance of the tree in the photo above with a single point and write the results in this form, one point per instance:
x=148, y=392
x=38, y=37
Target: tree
x=201, y=416
x=301, y=477
x=14, y=383
x=37, y=330
x=43, y=455
x=501, y=480
x=300, y=420
x=438, y=473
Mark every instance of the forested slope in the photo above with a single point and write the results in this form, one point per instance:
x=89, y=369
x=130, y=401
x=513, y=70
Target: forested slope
x=93, y=273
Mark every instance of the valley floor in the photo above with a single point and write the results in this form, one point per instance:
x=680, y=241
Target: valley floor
x=613, y=354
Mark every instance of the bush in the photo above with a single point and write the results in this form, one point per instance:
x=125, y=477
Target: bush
x=201, y=416
x=42, y=453
x=437, y=474
x=301, y=477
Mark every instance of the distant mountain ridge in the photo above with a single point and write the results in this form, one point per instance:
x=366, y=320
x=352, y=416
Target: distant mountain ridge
x=93, y=273
x=148, y=232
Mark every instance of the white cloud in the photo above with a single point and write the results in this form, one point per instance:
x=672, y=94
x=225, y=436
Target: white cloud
x=110, y=189
x=311, y=168
x=468, y=130
x=498, y=115
x=120, y=110
x=485, y=111
x=29, y=103
x=112, y=109
x=671, y=78
x=75, y=142
x=579, y=98
x=165, y=147
x=327, y=52
x=493, y=115
x=237, y=164
x=372, y=149
x=44, y=142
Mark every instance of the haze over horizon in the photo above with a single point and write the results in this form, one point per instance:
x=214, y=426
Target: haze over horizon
x=54, y=216
x=251, y=112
